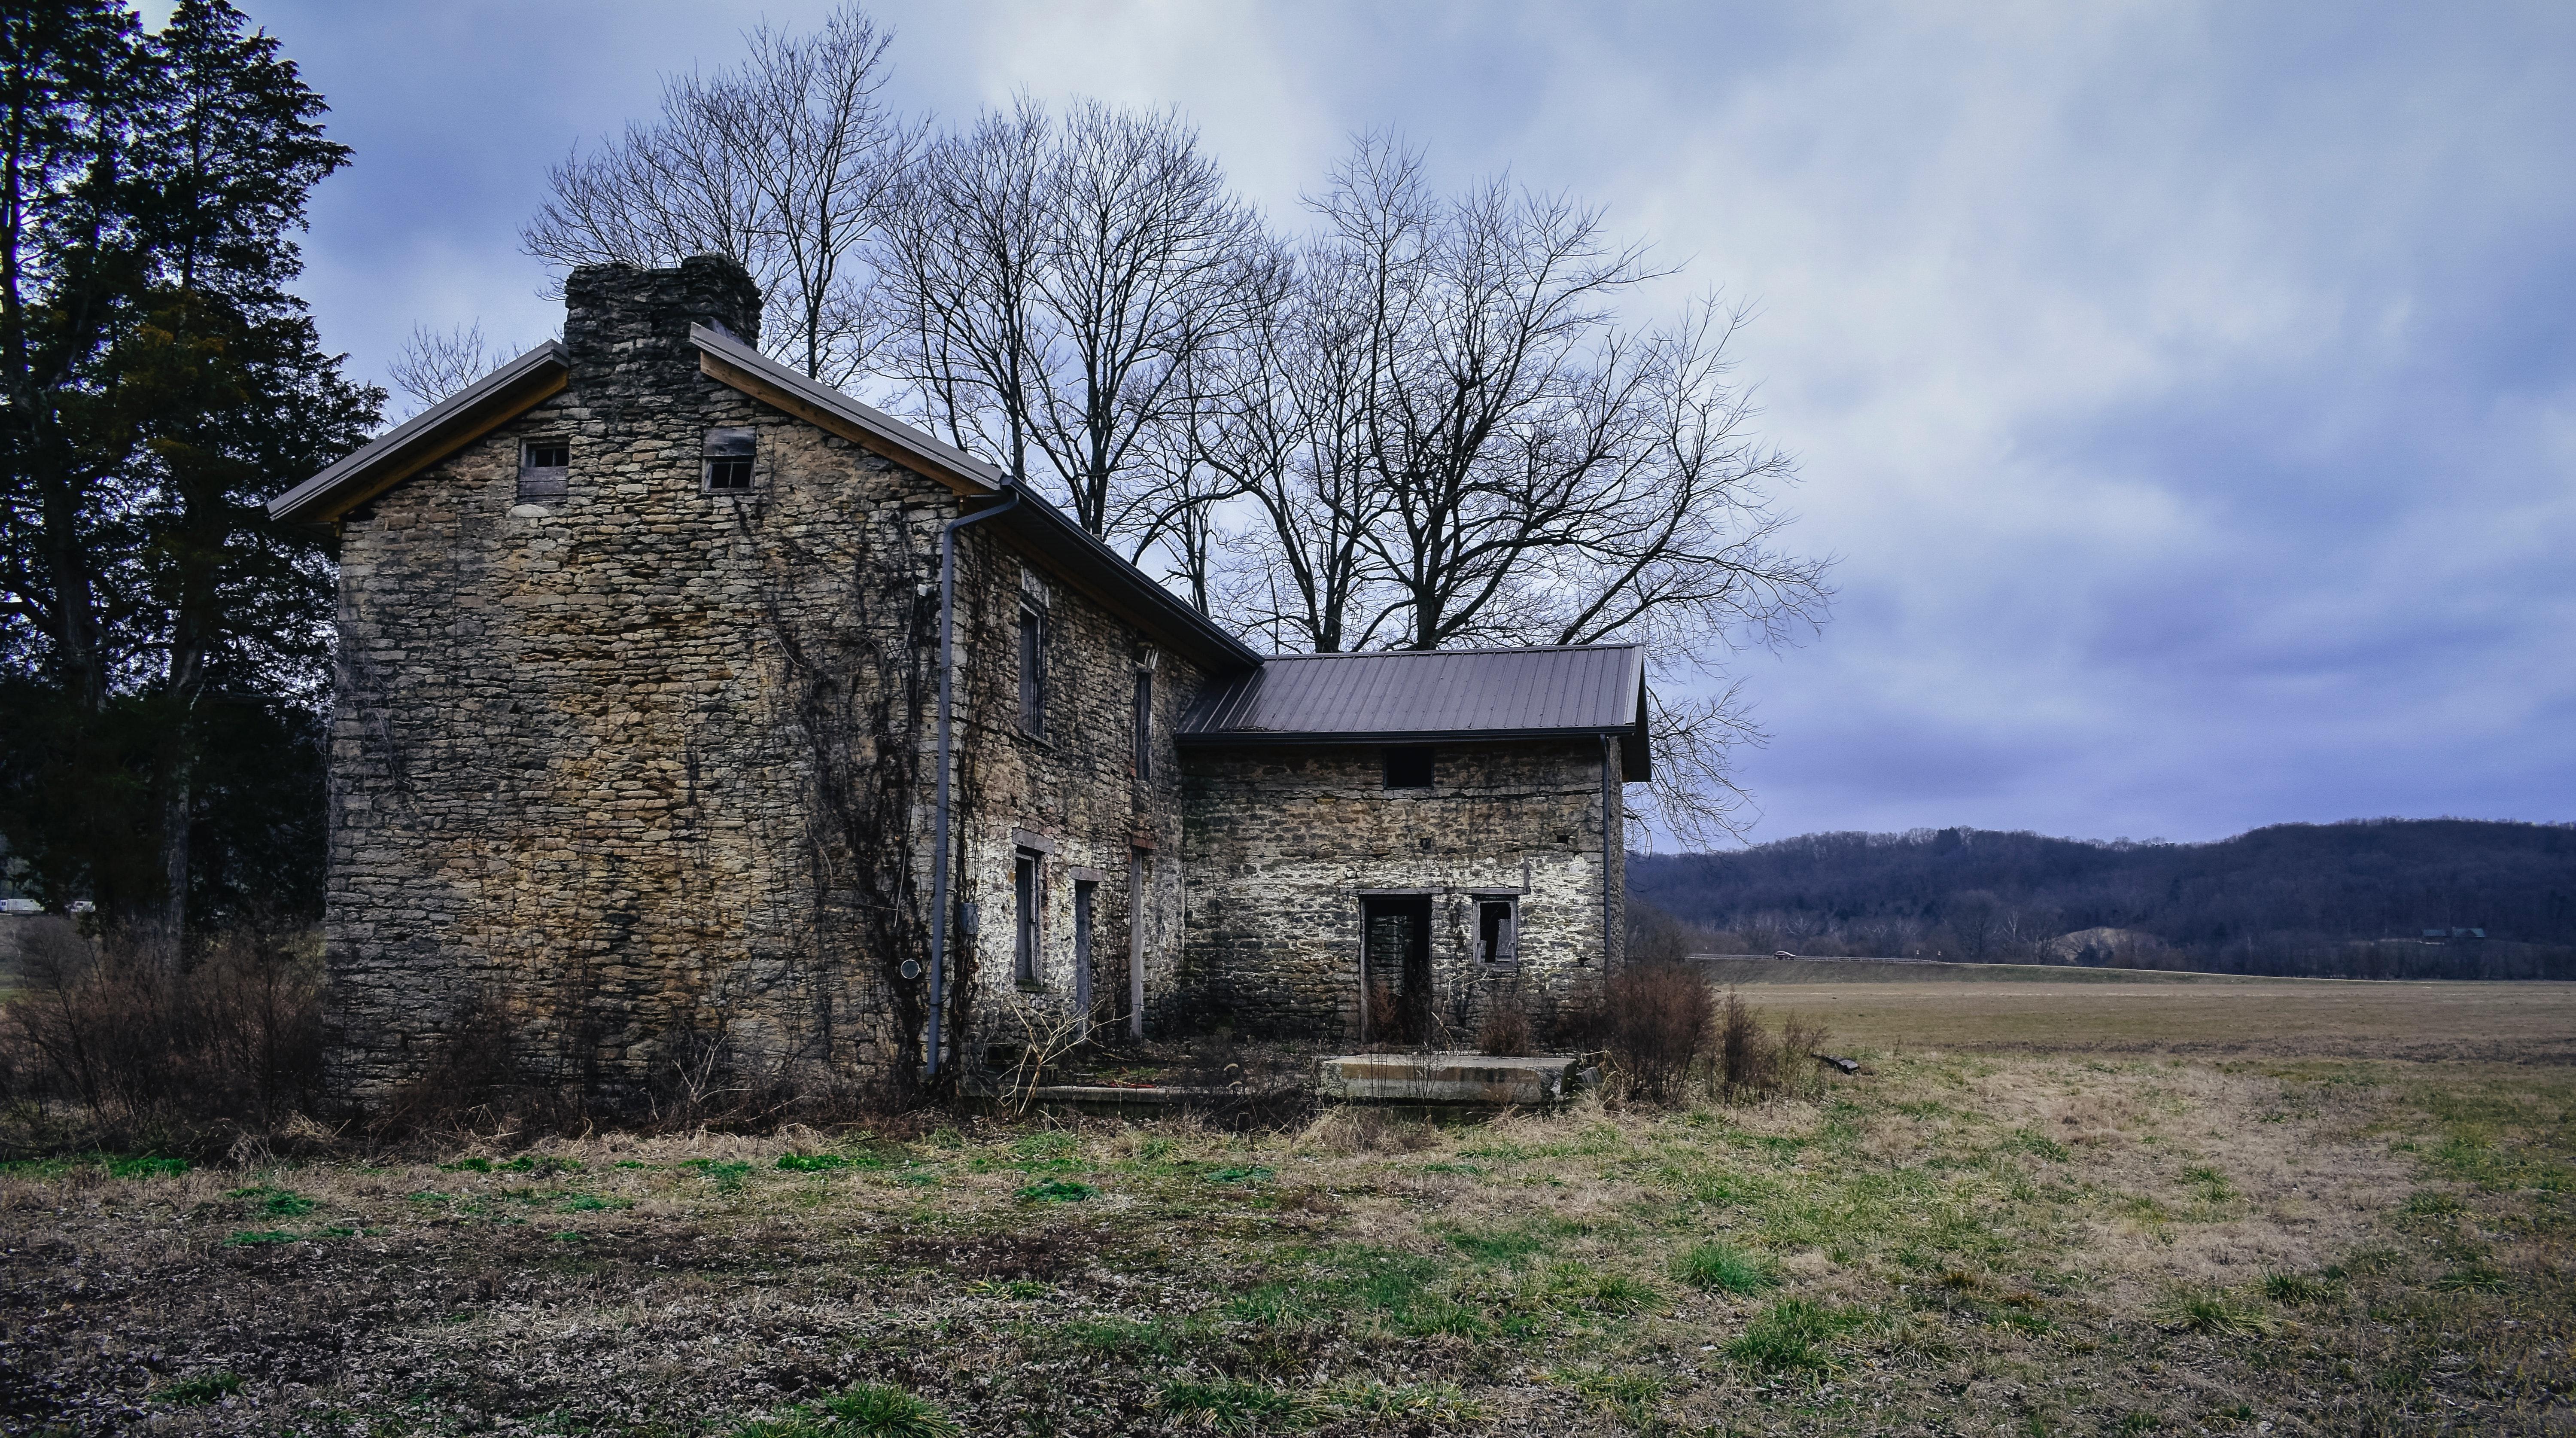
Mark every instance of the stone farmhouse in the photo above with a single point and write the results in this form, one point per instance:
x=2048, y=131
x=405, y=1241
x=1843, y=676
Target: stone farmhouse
x=676, y=693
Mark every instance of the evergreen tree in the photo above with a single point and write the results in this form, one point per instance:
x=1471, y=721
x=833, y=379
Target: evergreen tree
x=163, y=381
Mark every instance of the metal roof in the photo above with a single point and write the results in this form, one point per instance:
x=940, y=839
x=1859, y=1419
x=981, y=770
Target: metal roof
x=1411, y=695
x=427, y=437
x=873, y=426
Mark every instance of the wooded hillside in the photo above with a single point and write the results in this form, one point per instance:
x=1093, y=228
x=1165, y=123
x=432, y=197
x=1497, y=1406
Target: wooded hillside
x=2318, y=899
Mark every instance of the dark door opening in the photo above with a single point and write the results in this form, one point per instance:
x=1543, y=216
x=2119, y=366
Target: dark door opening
x=1395, y=968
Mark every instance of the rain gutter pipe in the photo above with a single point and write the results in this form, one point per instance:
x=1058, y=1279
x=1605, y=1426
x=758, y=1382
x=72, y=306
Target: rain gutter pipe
x=939, y=916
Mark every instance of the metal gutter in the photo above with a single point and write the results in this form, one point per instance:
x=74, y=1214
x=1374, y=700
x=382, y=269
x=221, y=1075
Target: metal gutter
x=939, y=916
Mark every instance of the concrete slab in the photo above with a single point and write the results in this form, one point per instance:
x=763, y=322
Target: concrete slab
x=1452, y=1078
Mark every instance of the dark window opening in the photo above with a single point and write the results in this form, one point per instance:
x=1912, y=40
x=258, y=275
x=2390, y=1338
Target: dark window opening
x=1145, y=725
x=1032, y=670
x=544, y=470
x=1408, y=767
x=1024, y=918
x=729, y=455
x=1497, y=936
x=1082, y=902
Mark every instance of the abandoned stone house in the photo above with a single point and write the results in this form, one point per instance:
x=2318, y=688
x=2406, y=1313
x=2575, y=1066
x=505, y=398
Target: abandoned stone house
x=641, y=737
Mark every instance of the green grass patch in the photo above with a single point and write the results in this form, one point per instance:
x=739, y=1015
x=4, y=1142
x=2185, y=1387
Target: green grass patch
x=870, y=1410
x=146, y=1166
x=1630, y=1396
x=592, y=1203
x=1227, y=1405
x=726, y=1175
x=1241, y=1174
x=1057, y=1190
x=200, y=1389
x=1721, y=1267
x=467, y=1165
x=542, y=1166
x=1792, y=1336
x=812, y=1162
x=2216, y=1312
x=2038, y=1145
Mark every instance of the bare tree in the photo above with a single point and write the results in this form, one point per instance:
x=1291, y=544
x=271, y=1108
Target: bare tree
x=1057, y=282
x=784, y=164
x=434, y=364
x=1453, y=440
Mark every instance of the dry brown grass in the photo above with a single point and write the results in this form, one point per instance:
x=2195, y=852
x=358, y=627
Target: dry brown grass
x=1952, y=1242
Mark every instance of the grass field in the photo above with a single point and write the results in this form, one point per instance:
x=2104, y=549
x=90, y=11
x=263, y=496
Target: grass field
x=2111, y=1239
x=2004, y=1008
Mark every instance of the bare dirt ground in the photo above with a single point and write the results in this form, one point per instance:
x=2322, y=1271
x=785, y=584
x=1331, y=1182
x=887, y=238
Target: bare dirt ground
x=2013, y=1241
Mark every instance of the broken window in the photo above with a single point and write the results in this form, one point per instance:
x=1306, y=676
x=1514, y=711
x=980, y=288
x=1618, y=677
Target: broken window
x=1408, y=766
x=1497, y=932
x=1032, y=669
x=545, y=466
x=1024, y=922
x=1145, y=724
x=729, y=455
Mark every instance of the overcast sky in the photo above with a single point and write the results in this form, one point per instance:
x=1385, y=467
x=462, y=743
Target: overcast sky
x=2187, y=390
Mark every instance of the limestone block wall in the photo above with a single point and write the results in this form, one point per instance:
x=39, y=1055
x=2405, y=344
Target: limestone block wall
x=645, y=771
x=1070, y=795
x=1286, y=840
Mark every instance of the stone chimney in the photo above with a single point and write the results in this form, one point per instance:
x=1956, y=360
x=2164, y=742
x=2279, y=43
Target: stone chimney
x=628, y=328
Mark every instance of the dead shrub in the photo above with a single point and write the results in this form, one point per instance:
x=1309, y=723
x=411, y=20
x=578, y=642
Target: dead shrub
x=1749, y=1060
x=1656, y=1021
x=1504, y=1032
x=1358, y=1128
x=107, y=1046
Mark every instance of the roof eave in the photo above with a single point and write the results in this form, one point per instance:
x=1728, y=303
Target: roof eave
x=1326, y=738
x=428, y=437
x=728, y=360
x=1065, y=549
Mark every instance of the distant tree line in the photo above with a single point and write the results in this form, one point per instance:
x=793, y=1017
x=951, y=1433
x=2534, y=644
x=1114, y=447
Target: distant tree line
x=2350, y=899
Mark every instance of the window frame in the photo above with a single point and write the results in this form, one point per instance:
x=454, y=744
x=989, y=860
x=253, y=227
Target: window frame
x=1508, y=934
x=1144, y=722
x=1398, y=762
x=1028, y=906
x=710, y=456
x=560, y=474
x=1029, y=651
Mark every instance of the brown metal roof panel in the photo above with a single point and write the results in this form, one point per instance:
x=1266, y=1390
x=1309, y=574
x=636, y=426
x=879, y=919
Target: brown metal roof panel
x=1586, y=689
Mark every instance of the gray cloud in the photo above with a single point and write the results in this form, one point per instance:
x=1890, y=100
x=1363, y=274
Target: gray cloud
x=2188, y=389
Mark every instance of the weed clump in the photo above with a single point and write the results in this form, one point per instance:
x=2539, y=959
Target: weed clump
x=1791, y=1336
x=1721, y=1267
x=1229, y=1405
x=200, y=1389
x=2217, y=1313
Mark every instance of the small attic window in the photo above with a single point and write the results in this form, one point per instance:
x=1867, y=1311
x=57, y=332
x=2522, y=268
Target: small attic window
x=544, y=465
x=729, y=456
x=1408, y=766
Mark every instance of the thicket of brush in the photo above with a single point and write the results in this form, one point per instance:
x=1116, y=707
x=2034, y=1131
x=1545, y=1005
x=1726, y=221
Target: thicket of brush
x=1671, y=1039
x=104, y=1047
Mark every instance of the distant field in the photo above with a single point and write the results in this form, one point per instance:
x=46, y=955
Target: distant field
x=1894, y=1007
x=1746, y=970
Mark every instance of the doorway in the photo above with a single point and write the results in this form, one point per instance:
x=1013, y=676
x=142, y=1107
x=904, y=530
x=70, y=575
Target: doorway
x=1395, y=968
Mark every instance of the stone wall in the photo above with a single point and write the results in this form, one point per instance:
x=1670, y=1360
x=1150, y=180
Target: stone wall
x=644, y=770
x=1286, y=841
x=1069, y=795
